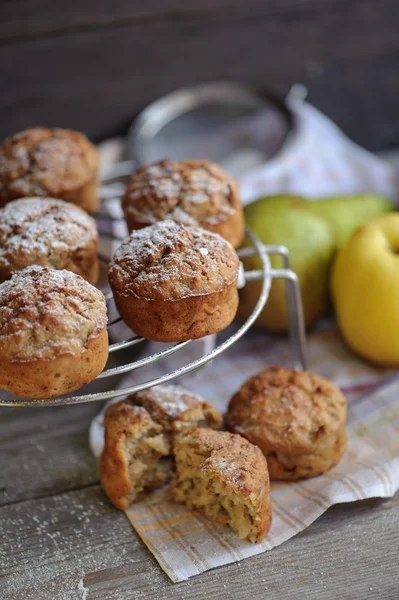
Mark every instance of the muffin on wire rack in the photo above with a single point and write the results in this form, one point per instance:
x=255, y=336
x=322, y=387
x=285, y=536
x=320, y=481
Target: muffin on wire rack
x=55, y=163
x=173, y=283
x=50, y=233
x=191, y=192
x=53, y=333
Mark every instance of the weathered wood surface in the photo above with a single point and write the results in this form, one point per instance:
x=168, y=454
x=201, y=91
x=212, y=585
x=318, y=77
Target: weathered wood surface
x=61, y=540
x=92, y=64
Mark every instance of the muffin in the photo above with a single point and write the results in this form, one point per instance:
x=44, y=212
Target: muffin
x=53, y=336
x=56, y=163
x=191, y=192
x=49, y=233
x=295, y=417
x=226, y=478
x=139, y=432
x=173, y=283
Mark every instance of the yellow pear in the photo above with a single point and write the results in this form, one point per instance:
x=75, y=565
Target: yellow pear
x=365, y=290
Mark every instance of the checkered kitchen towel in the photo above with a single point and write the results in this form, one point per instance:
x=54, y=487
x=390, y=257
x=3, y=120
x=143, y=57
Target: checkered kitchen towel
x=185, y=543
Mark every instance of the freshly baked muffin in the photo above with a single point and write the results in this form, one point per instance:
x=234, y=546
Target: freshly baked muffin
x=225, y=477
x=139, y=432
x=56, y=163
x=191, y=192
x=49, y=233
x=295, y=417
x=173, y=283
x=53, y=336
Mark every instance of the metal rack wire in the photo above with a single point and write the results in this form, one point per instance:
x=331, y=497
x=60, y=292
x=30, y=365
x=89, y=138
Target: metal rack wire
x=266, y=274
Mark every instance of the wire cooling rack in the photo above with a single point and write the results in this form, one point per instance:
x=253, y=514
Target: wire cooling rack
x=266, y=274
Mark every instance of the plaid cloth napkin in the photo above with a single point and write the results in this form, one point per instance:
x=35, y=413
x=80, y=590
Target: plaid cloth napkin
x=185, y=543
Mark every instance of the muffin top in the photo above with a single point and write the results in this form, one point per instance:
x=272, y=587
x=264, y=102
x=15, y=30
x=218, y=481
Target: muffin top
x=192, y=192
x=286, y=410
x=175, y=407
x=123, y=418
x=45, y=313
x=42, y=231
x=45, y=162
x=169, y=261
x=229, y=457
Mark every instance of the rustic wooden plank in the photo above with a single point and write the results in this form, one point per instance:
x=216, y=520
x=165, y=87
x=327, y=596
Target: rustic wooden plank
x=75, y=546
x=23, y=19
x=97, y=79
x=44, y=451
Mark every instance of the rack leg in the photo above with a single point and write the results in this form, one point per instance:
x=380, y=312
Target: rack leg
x=296, y=323
x=295, y=315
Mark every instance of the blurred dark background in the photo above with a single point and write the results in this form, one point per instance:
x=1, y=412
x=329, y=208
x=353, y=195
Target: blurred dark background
x=93, y=64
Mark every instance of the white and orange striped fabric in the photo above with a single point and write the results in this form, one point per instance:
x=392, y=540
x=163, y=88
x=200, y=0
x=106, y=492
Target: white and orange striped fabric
x=186, y=544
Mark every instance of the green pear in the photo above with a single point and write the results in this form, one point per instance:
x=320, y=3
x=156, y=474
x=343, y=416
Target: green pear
x=345, y=214
x=287, y=220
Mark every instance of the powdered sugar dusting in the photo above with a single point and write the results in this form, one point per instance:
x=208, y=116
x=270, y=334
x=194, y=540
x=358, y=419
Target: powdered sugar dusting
x=44, y=312
x=174, y=399
x=45, y=162
x=189, y=192
x=44, y=232
x=82, y=589
x=169, y=261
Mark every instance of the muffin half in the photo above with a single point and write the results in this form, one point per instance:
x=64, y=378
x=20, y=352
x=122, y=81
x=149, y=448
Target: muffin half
x=226, y=478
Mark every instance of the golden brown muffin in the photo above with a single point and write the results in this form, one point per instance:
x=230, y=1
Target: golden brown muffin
x=53, y=336
x=139, y=432
x=173, y=283
x=191, y=192
x=50, y=233
x=225, y=477
x=295, y=417
x=56, y=163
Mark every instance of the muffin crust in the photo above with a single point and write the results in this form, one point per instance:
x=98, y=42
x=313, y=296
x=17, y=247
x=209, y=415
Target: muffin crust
x=173, y=283
x=191, y=192
x=295, y=417
x=49, y=233
x=57, y=163
x=53, y=336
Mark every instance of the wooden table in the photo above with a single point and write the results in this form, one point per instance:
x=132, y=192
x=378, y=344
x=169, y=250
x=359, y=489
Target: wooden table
x=60, y=539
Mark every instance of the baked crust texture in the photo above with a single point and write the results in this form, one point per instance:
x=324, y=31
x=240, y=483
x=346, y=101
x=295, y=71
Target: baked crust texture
x=49, y=233
x=173, y=283
x=57, y=163
x=53, y=336
x=191, y=192
x=297, y=418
